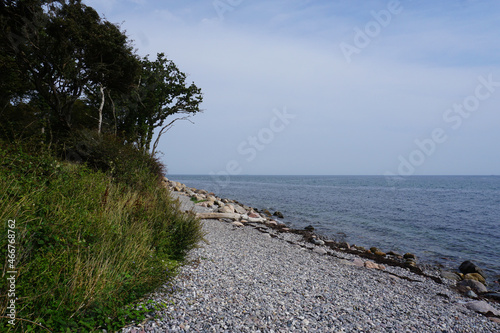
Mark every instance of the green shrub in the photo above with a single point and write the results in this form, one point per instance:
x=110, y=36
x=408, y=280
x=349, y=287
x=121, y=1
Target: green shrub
x=108, y=153
x=88, y=245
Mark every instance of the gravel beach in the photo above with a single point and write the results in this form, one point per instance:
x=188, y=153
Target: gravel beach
x=249, y=280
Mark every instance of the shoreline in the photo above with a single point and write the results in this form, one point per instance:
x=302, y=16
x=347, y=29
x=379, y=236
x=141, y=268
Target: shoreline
x=407, y=260
x=442, y=225
x=252, y=275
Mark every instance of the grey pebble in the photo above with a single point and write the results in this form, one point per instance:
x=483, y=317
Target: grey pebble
x=246, y=282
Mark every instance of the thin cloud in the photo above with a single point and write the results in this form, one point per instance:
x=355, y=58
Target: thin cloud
x=355, y=117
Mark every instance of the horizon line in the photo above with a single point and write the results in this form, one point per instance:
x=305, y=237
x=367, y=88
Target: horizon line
x=337, y=175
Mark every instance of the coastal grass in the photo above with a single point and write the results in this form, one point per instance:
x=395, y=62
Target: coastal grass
x=88, y=247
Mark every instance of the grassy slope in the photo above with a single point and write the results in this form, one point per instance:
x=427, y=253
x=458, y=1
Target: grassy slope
x=87, y=245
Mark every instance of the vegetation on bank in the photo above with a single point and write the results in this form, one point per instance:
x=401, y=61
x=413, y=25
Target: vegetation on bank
x=87, y=229
x=88, y=245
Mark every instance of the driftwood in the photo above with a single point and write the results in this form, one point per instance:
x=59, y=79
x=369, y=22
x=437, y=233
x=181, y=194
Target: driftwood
x=210, y=216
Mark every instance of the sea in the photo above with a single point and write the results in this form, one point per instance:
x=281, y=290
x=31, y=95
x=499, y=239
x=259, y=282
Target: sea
x=444, y=220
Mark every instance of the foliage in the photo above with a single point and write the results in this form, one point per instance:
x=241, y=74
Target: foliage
x=80, y=71
x=88, y=245
x=63, y=47
x=161, y=93
x=107, y=153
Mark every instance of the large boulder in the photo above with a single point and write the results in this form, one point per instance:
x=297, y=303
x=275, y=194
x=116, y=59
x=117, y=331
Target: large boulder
x=450, y=275
x=227, y=209
x=476, y=286
x=240, y=210
x=483, y=308
x=372, y=265
x=211, y=200
x=469, y=267
x=200, y=191
x=198, y=197
x=475, y=276
x=377, y=251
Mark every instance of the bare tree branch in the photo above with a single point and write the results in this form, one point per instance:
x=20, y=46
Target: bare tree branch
x=165, y=129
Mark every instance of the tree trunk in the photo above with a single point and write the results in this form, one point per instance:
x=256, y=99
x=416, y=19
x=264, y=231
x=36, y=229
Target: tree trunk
x=101, y=107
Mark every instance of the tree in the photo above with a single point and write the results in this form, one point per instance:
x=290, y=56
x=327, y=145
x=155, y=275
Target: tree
x=15, y=21
x=161, y=98
x=114, y=66
x=66, y=48
x=61, y=56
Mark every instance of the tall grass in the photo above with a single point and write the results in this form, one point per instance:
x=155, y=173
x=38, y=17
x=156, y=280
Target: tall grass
x=87, y=246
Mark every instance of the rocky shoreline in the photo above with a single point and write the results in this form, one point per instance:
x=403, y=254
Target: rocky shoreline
x=452, y=296
x=239, y=214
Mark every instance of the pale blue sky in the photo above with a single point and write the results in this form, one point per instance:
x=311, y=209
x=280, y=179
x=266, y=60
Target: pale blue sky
x=328, y=87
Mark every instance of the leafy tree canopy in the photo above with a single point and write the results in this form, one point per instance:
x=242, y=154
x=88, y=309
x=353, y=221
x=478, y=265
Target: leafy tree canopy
x=54, y=53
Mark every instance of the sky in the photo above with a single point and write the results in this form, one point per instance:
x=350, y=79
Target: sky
x=304, y=87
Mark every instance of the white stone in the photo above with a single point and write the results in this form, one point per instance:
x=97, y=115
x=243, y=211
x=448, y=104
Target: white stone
x=238, y=209
x=227, y=209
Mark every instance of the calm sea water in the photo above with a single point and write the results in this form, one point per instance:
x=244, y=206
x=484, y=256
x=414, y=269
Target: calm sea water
x=442, y=219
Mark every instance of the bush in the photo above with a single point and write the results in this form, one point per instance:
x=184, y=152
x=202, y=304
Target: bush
x=108, y=153
x=87, y=244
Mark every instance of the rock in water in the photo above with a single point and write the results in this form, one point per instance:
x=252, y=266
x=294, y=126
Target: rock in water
x=267, y=212
x=469, y=267
x=475, y=276
x=278, y=214
x=309, y=228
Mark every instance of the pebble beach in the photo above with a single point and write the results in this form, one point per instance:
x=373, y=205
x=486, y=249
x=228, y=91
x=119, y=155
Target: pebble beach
x=248, y=277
